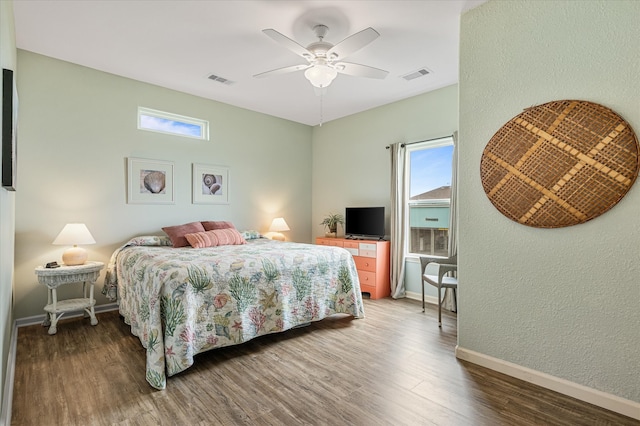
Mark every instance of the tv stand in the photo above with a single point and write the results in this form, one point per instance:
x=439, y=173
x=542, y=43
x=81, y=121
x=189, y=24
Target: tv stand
x=372, y=262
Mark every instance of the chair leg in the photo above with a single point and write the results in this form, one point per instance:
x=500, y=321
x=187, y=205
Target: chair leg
x=455, y=299
x=439, y=308
x=423, y=295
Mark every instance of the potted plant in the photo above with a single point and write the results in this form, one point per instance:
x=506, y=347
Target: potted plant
x=331, y=222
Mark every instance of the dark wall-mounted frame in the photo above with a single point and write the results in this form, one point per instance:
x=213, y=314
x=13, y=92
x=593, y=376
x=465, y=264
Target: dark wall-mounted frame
x=9, y=128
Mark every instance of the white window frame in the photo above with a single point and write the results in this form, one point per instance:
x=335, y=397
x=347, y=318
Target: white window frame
x=419, y=146
x=202, y=124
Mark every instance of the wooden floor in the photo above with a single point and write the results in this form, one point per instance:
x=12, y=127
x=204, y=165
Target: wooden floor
x=395, y=367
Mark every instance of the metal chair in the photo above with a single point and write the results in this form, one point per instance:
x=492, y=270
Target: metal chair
x=441, y=280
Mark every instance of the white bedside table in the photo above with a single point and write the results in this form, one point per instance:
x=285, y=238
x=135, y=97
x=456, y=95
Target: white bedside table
x=87, y=273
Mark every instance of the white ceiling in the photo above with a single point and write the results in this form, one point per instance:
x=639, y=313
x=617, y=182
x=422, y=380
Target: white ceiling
x=177, y=44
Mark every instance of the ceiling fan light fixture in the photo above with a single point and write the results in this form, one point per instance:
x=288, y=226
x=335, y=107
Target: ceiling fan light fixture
x=320, y=75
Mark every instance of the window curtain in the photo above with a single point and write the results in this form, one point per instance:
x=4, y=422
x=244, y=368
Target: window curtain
x=448, y=302
x=398, y=218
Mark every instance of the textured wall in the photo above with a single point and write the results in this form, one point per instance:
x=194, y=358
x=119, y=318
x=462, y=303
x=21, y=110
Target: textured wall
x=560, y=301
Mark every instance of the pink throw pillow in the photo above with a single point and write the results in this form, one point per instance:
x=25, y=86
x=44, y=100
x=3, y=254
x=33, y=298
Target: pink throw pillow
x=211, y=225
x=177, y=233
x=215, y=237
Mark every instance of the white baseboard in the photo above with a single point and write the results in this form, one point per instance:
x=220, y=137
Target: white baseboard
x=7, y=392
x=592, y=396
x=38, y=319
x=417, y=296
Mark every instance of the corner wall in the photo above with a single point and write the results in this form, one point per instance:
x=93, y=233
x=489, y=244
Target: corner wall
x=351, y=167
x=561, y=302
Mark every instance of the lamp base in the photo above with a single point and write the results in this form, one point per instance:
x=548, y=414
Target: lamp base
x=74, y=256
x=275, y=236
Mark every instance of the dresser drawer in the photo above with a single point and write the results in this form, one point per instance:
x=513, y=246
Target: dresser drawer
x=365, y=263
x=329, y=242
x=351, y=247
x=368, y=253
x=367, y=246
x=367, y=250
x=367, y=279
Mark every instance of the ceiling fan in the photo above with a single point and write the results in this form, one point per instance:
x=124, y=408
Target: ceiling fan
x=325, y=60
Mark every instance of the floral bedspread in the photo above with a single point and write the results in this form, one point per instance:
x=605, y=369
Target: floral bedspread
x=184, y=301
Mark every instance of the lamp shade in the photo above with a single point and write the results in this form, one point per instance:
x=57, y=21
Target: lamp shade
x=74, y=234
x=279, y=225
x=71, y=235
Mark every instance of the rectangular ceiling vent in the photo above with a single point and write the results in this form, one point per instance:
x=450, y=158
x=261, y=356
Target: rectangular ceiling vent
x=219, y=79
x=415, y=74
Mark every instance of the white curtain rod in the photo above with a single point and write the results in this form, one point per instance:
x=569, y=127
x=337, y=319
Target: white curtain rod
x=426, y=140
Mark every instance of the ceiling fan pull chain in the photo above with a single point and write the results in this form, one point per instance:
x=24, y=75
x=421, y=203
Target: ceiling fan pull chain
x=321, y=108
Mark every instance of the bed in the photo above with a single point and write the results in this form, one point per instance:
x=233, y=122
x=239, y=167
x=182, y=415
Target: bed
x=183, y=301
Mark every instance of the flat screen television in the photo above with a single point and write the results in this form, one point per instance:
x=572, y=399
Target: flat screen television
x=364, y=222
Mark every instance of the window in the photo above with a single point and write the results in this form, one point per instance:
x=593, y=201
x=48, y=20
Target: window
x=428, y=166
x=174, y=124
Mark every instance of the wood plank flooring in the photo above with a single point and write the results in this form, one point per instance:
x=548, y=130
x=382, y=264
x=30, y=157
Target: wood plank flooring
x=395, y=367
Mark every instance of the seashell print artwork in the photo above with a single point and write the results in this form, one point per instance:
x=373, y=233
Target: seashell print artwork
x=152, y=181
x=149, y=181
x=211, y=184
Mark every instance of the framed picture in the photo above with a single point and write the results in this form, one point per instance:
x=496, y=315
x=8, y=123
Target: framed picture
x=9, y=130
x=210, y=184
x=150, y=181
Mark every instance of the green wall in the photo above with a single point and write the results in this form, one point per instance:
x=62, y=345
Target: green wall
x=562, y=302
x=79, y=125
x=351, y=166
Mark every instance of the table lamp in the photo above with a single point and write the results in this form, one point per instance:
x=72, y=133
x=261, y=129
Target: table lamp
x=277, y=226
x=71, y=235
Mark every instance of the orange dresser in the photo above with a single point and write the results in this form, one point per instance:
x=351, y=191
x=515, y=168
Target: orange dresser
x=372, y=262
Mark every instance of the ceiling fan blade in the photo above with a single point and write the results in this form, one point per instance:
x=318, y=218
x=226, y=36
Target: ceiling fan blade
x=358, y=70
x=352, y=43
x=284, y=70
x=288, y=43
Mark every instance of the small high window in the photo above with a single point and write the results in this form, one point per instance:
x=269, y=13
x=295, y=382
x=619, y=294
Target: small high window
x=174, y=124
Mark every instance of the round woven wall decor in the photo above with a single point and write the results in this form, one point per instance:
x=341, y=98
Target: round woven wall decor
x=560, y=164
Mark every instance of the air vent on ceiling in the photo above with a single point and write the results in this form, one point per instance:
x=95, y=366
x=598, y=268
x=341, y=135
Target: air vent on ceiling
x=415, y=74
x=219, y=79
